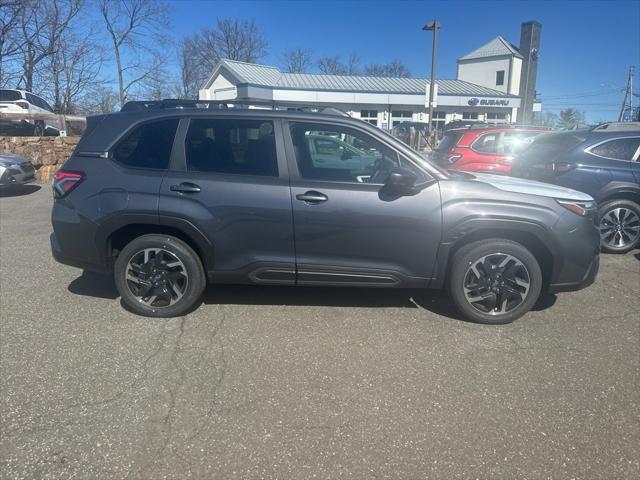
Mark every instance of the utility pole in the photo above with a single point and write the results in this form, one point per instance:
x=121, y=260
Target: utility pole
x=434, y=26
x=627, y=103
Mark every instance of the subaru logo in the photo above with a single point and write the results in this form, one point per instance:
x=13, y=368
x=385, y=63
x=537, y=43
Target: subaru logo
x=474, y=101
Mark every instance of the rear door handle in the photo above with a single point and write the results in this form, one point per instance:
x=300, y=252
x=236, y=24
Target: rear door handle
x=312, y=197
x=185, y=187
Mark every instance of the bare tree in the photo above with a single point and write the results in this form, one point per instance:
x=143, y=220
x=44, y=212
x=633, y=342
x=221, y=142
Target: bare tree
x=394, y=69
x=334, y=66
x=231, y=38
x=353, y=64
x=10, y=14
x=73, y=72
x=297, y=60
x=136, y=26
x=102, y=100
x=42, y=25
x=331, y=66
x=193, y=72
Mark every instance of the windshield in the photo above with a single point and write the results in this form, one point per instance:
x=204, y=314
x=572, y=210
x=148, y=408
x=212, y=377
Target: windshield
x=9, y=96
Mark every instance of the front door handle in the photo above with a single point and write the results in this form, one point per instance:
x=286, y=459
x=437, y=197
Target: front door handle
x=185, y=187
x=312, y=197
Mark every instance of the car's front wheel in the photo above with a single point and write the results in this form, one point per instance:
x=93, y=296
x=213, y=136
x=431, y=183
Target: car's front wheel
x=494, y=281
x=619, y=224
x=159, y=276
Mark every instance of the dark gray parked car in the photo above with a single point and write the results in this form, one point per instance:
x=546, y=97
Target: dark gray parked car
x=169, y=199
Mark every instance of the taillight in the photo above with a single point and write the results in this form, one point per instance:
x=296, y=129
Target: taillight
x=64, y=181
x=562, y=167
x=23, y=105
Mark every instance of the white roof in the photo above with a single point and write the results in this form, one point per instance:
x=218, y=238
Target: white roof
x=269, y=76
x=496, y=47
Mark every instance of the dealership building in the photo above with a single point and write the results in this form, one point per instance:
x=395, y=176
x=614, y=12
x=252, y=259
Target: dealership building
x=494, y=83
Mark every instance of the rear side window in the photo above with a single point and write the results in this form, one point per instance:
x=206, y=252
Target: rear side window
x=147, y=146
x=232, y=146
x=619, y=149
x=9, y=96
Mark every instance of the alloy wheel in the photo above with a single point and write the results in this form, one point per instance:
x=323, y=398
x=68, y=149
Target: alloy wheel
x=156, y=277
x=496, y=284
x=619, y=228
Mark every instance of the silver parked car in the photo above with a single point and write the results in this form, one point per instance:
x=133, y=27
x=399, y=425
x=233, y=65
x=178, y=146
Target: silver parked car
x=15, y=170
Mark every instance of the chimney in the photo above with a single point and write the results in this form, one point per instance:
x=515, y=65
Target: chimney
x=529, y=49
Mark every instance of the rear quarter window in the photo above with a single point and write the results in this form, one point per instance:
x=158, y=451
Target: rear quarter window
x=147, y=146
x=10, y=96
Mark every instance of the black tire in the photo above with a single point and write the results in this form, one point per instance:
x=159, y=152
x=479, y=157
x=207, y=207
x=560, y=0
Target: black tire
x=524, y=266
x=172, y=250
x=38, y=129
x=627, y=238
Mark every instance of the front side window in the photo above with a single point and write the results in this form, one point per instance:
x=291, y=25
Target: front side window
x=619, y=149
x=230, y=146
x=148, y=145
x=341, y=154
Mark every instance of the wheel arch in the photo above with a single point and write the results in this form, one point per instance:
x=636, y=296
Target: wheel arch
x=529, y=235
x=120, y=235
x=619, y=191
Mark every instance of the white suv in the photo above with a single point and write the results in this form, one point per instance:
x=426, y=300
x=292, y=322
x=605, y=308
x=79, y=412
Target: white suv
x=21, y=102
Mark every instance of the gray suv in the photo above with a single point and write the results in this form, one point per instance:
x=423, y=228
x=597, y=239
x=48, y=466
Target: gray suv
x=169, y=197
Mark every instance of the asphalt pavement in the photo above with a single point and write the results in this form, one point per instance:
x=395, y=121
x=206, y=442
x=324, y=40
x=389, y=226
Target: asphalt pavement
x=296, y=383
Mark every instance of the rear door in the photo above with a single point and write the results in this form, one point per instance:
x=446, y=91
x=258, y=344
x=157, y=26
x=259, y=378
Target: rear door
x=229, y=180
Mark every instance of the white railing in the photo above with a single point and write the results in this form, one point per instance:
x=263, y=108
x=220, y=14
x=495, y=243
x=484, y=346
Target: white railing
x=61, y=119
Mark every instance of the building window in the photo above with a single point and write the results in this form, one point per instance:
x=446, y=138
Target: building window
x=370, y=116
x=399, y=116
x=469, y=115
x=500, y=77
x=496, y=117
x=439, y=119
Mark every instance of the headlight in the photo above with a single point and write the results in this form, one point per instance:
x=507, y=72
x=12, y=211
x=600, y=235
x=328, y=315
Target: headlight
x=578, y=207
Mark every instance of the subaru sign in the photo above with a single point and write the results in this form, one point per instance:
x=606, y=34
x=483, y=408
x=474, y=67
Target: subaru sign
x=488, y=102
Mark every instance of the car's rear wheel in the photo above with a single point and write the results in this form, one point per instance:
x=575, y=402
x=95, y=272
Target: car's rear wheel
x=619, y=224
x=38, y=129
x=159, y=276
x=494, y=281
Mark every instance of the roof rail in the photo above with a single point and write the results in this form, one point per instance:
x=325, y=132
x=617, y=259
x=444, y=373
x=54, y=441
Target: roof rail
x=617, y=127
x=168, y=103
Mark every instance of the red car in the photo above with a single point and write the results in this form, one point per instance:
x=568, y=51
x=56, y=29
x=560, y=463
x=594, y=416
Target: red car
x=483, y=148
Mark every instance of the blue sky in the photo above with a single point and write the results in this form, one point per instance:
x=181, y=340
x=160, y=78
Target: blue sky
x=587, y=46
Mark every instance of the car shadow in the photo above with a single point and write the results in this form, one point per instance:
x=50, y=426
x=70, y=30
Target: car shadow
x=435, y=301
x=18, y=190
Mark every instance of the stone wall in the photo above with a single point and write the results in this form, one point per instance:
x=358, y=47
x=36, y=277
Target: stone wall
x=46, y=153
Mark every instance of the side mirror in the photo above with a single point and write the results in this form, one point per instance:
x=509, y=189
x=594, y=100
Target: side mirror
x=401, y=179
x=346, y=155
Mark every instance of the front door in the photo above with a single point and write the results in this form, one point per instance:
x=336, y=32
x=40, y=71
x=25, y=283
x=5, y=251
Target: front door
x=349, y=229
x=229, y=179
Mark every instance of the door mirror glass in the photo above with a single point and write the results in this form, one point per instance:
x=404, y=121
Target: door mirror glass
x=401, y=179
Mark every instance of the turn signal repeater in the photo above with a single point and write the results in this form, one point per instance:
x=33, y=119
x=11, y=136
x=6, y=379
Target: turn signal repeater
x=64, y=181
x=579, y=208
